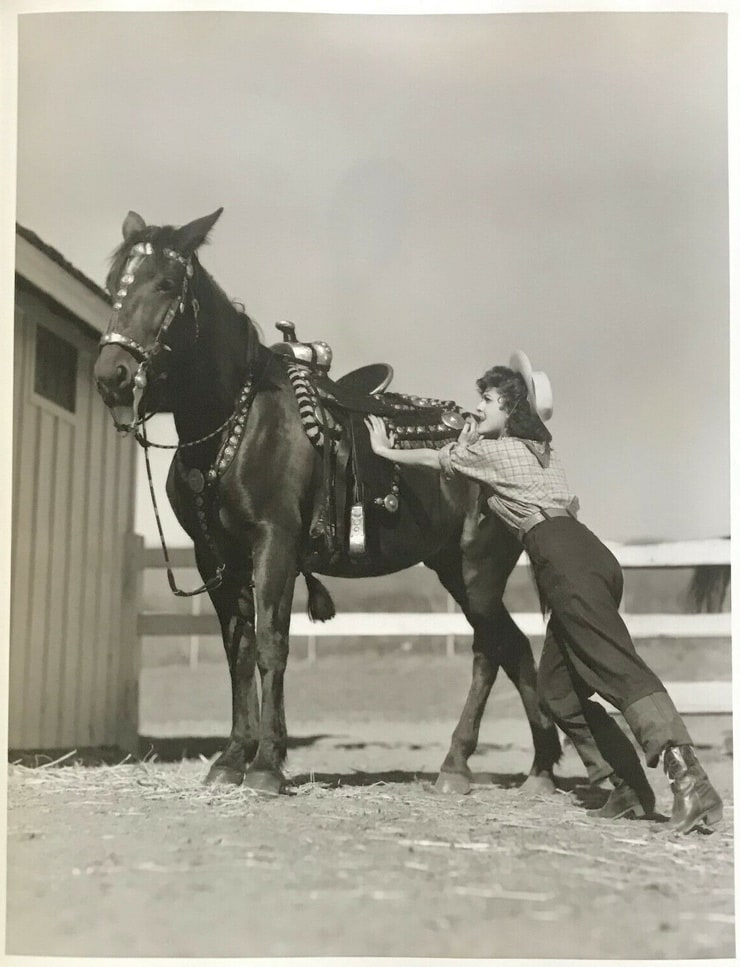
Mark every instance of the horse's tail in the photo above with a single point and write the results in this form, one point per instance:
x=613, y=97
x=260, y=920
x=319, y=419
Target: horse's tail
x=320, y=605
x=708, y=588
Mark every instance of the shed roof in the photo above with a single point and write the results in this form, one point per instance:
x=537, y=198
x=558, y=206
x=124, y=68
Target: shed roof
x=57, y=257
x=46, y=269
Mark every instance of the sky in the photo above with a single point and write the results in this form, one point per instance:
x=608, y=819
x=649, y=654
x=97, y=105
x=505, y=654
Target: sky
x=433, y=192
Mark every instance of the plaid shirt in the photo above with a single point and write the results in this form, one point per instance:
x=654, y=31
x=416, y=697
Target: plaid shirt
x=518, y=477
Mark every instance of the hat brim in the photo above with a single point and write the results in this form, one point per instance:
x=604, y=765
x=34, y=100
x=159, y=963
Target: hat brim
x=539, y=390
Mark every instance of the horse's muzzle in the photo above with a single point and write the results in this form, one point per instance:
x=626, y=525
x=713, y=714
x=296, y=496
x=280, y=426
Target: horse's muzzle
x=114, y=376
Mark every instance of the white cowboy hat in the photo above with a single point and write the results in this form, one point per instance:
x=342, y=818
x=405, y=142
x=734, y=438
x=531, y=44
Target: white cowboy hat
x=539, y=391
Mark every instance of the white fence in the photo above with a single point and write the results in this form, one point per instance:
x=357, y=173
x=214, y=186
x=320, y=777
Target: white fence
x=702, y=696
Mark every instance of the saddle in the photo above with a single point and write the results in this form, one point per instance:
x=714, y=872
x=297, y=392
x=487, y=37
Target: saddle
x=358, y=492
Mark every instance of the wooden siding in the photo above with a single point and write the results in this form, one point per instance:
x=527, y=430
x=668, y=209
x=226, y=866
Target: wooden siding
x=73, y=480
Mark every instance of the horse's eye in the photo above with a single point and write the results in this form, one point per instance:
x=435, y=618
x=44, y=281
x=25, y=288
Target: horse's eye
x=166, y=285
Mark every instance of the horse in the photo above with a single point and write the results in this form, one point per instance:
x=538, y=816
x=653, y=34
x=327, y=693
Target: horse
x=243, y=484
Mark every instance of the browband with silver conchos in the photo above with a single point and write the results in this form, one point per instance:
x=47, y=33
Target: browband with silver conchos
x=138, y=253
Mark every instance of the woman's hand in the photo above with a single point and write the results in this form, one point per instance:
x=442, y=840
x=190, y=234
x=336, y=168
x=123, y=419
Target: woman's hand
x=469, y=433
x=380, y=439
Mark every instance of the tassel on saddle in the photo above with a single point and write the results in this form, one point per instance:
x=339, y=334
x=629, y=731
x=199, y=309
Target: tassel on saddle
x=323, y=529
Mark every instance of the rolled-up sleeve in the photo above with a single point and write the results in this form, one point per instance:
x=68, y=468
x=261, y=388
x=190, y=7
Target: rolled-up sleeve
x=445, y=459
x=473, y=460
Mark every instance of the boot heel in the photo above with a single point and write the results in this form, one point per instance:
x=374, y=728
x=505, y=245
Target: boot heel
x=695, y=800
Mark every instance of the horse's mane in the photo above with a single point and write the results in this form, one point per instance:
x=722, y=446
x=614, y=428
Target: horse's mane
x=232, y=311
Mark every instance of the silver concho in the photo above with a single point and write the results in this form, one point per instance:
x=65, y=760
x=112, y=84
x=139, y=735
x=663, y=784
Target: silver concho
x=390, y=502
x=453, y=420
x=196, y=480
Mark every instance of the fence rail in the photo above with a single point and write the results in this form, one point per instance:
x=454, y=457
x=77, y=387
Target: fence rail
x=706, y=696
x=373, y=624
x=669, y=554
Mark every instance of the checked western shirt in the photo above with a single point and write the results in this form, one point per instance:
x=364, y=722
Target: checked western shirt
x=518, y=478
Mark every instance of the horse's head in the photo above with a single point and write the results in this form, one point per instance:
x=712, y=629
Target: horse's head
x=149, y=283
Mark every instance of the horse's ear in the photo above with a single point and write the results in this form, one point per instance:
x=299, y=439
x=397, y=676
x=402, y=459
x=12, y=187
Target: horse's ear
x=132, y=224
x=191, y=236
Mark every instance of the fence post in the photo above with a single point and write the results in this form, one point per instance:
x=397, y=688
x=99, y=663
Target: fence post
x=311, y=648
x=450, y=639
x=130, y=664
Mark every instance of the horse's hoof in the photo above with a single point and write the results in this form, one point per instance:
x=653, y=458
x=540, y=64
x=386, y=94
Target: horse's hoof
x=223, y=776
x=542, y=785
x=452, y=784
x=267, y=783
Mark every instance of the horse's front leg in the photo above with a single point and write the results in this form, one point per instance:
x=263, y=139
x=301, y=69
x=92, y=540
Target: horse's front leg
x=275, y=559
x=234, y=604
x=476, y=575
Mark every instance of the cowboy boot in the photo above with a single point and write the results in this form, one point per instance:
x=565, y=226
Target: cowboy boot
x=633, y=799
x=695, y=800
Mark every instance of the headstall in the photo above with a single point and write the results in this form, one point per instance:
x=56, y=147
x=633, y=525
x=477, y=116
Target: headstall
x=142, y=354
x=234, y=423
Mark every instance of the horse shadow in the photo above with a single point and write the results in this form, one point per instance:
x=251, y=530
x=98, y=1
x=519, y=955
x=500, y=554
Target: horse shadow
x=206, y=747
x=195, y=747
x=391, y=777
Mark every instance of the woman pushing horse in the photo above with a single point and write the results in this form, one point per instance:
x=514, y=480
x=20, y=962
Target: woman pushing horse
x=587, y=648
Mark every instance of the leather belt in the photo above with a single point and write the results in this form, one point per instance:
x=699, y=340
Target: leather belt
x=541, y=515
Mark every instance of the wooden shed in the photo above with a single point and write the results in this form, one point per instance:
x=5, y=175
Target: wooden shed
x=73, y=653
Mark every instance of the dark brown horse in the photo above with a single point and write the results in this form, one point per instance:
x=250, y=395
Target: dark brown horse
x=242, y=485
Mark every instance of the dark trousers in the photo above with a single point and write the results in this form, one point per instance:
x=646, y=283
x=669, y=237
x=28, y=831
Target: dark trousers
x=588, y=649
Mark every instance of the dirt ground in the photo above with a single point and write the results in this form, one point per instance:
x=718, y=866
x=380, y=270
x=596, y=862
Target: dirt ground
x=360, y=858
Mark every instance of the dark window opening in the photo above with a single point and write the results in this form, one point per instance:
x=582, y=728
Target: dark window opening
x=56, y=369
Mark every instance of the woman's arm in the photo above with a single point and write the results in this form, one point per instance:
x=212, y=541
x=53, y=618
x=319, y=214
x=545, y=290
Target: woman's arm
x=382, y=443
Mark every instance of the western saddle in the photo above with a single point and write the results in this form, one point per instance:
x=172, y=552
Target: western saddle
x=357, y=489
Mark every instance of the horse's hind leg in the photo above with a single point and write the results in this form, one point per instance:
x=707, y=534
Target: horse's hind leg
x=517, y=660
x=489, y=553
x=234, y=604
x=455, y=775
x=476, y=580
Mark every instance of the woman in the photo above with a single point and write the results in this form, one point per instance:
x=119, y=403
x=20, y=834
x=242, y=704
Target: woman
x=587, y=646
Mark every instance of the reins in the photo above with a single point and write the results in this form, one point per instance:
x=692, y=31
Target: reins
x=147, y=444
x=212, y=583
x=141, y=438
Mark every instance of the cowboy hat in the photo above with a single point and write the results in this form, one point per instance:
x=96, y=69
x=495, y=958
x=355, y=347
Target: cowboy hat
x=539, y=391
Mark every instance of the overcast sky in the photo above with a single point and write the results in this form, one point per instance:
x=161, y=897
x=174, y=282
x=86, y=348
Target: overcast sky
x=433, y=192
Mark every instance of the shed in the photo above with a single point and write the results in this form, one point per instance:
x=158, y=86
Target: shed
x=73, y=647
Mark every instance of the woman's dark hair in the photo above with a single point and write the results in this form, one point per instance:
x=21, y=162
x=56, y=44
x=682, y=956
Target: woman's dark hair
x=523, y=422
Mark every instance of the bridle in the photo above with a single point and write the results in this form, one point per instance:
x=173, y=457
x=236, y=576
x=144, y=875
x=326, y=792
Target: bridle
x=144, y=354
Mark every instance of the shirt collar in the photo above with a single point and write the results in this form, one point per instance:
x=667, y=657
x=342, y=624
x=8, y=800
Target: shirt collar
x=540, y=450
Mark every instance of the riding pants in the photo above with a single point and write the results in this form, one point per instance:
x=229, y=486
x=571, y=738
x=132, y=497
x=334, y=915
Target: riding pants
x=588, y=650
